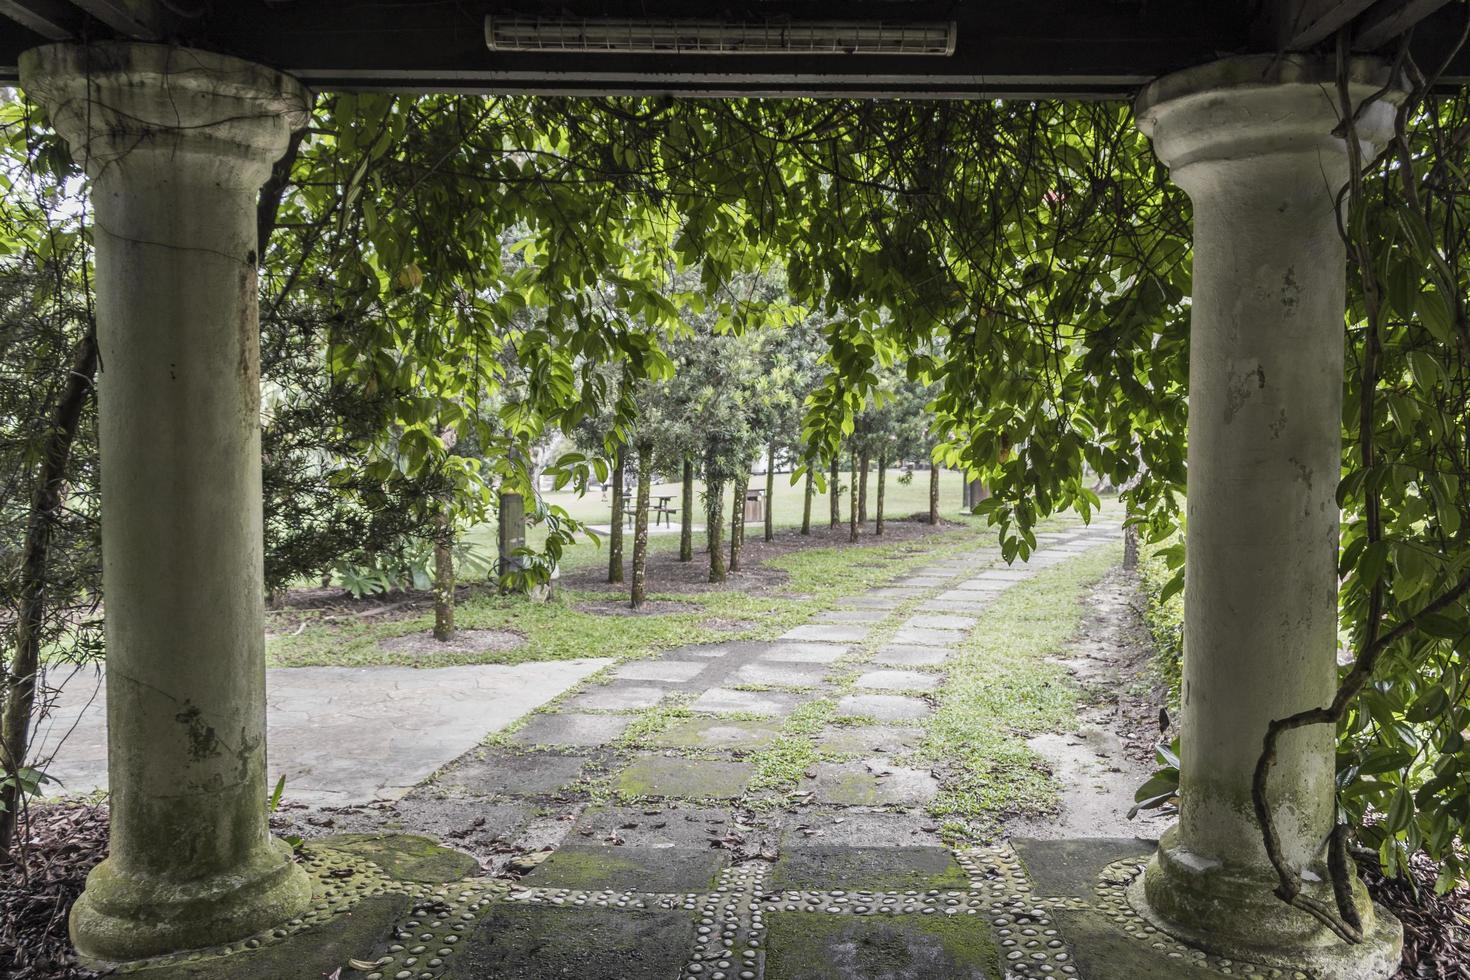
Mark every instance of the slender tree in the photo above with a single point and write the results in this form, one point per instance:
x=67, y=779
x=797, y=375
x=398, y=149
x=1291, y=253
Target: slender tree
x=834, y=485
x=686, y=513
x=770, y=492
x=864, y=463
x=714, y=521
x=852, y=502
x=808, y=491
x=882, y=473
x=444, y=575
x=933, y=492
x=640, y=524
x=615, y=535
x=737, y=517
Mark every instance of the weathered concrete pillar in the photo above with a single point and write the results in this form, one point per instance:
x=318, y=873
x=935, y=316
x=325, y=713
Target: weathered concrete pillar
x=1252, y=142
x=178, y=143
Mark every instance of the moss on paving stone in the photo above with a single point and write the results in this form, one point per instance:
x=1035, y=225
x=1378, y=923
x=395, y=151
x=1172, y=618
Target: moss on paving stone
x=592, y=867
x=1069, y=868
x=549, y=943
x=675, y=777
x=405, y=856
x=867, y=868
x=316, y=952
x=1102, y=952
x=808, y=946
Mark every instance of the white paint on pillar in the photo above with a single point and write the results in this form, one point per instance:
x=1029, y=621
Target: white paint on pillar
x=1252, y=142
x=178, y=143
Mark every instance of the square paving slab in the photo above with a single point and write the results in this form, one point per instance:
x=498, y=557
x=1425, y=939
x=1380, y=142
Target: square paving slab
x=883, y=707
x=871, y=782
x=675, y=671
x=844, y=828
x=723, y=700
x=901, y=655
x=879, y=867
x=781, y=674
x=810, y=946
x=668, y=825
x=851, y=616
x=717, y=733
x=867, y=739
x=805, y=653
x=898, y=680
x=828, y=633
x=546, y=943
x=921, y=636
x=572, y=728
x=619, y=697
x=941, y=622
x=599, y=867
x=675, y=776
x=501, y=772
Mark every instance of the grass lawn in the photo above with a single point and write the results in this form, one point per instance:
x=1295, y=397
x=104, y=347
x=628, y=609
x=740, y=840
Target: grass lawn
x=899, y=500
x=816, y=578
x=557, y=630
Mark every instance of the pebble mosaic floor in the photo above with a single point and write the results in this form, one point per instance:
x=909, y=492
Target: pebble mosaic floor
x=849, y=880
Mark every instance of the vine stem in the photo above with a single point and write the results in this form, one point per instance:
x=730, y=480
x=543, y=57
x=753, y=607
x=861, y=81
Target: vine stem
x=1346, y=922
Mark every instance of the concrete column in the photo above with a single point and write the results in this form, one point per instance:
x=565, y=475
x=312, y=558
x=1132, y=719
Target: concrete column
x=177, y=143
x=1251, y=140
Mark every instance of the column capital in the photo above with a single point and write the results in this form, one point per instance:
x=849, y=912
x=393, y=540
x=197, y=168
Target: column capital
x=1263, y=106
x=114, y=100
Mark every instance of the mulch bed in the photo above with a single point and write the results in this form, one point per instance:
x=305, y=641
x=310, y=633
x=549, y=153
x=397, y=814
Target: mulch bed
x=62, y=845
x=1436, y=927
x=66, y=840
x=462, y=641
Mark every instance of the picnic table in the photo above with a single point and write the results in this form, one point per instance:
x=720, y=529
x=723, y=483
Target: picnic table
x=663, y=511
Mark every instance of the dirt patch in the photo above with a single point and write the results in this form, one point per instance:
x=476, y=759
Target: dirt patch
x=620, y=607
x=463, y=641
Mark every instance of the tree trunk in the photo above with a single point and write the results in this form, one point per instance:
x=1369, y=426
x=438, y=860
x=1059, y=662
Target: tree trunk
x=444, y=577
x=1130, y=547
x=510, y=522
x=882, y=473
x=833, y=497
x=933, y=493
x=770, y=493
x=714, y=523
x=965, y=492
x=20, y=680
x=640, y=525
x=615, y=536
x=863, y=489
x=852, y=502
x=806, y=501
x=686, y=514
x=737, y=520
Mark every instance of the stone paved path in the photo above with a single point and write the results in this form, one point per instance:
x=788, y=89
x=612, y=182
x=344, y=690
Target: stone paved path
x=645, y=845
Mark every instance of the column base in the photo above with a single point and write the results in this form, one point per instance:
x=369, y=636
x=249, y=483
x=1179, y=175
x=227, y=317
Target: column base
x=1231, y=911
x=122, y=917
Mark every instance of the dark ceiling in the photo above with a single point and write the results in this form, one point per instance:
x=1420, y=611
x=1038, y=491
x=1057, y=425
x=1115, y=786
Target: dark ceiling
x=1003, y=48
